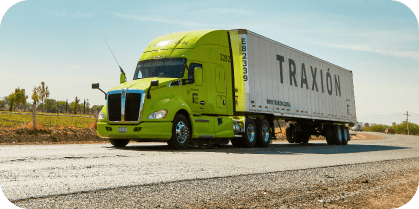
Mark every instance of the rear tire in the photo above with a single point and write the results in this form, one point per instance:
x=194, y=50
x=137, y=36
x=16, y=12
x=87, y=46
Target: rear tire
x=263, y=134
x=119, y=142
x=249, y=137
x=328, y=134
x=289, y=132
x=181, y=134
x=337, y=134
x=346, y=136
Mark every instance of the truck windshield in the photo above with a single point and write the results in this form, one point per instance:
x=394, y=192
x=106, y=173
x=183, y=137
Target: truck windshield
x=163, y=68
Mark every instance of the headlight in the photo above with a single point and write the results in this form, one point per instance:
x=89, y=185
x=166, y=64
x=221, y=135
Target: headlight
x=101, y=116
x=158, y=115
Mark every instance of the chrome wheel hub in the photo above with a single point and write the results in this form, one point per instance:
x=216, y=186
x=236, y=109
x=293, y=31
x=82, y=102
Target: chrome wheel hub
x=182, y=132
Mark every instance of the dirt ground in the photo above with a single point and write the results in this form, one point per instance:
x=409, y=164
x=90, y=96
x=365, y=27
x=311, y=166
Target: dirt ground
x=387, y=191
x=26, y=135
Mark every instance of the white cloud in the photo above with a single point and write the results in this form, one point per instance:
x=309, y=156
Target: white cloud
x=160, y=20
x=375, y=49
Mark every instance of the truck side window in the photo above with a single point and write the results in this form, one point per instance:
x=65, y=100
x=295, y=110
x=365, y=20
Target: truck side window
x=192, y=67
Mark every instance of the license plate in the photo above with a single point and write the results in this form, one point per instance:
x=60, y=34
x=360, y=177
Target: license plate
x=122, y=129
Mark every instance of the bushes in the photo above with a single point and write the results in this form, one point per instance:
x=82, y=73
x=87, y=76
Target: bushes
x=398, y=128
x=402, y=128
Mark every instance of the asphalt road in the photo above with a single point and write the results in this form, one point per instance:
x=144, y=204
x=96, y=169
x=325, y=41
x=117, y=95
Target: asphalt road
x=28, y=171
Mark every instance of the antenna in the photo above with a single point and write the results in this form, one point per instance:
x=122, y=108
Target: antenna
x=122, y=71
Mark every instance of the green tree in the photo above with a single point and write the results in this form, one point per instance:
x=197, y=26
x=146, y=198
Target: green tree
x=96, y=109
x=61, y=106
x=402, y=128
x=17, y=98
x=50, y=105
x=2, y=104
x=376, y=128
x=44, y=93
x=36, y=95
x=75, y=105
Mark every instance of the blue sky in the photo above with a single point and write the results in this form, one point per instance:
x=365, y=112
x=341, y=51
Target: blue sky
x=62, y=42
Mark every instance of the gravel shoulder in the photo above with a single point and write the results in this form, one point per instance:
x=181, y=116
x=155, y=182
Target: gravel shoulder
x=383, y=184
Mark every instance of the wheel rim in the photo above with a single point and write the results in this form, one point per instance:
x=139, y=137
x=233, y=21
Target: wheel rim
x=181, y=132
x=251, y=132
x=265, y=133
x=339, y=135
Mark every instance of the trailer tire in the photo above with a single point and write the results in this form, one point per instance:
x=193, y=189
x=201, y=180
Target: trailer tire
x=337, y=134
x=345, y=133
x=289, y=132
x=180, y=133
x=119, y=142
x=328, y=134
x=250, y=135
x=263, y=133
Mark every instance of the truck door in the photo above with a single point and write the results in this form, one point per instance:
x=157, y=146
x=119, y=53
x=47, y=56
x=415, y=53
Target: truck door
x=196, y=93
x=220, y=81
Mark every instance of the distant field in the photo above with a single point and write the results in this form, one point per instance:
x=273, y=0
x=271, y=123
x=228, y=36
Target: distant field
x=48, y=120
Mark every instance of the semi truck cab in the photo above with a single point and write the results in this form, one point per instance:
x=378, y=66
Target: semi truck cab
x=180, y=90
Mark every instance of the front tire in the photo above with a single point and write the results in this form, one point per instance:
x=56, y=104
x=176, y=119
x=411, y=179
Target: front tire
x=119, y=142
x=249, y=137
x=263, y=134
x=181, y=134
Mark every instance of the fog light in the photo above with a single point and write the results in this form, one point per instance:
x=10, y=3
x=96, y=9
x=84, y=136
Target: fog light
x=108, y=128
x=137, y=129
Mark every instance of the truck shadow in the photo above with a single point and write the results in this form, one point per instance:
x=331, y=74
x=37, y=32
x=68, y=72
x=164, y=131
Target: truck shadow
x=285, y=149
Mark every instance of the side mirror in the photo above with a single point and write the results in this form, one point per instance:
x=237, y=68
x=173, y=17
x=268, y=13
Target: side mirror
x=122, y=78
x=95, y=85
x=198, y=76
x=152, y=83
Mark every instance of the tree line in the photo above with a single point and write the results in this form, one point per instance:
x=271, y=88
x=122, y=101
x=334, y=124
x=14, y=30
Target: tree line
x=398, y=128
x=17, y=101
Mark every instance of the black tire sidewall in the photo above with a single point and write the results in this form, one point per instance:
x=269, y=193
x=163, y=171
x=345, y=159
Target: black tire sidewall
x=289, y=129
x=260, y=139
x=173, y=142
x=246, y=141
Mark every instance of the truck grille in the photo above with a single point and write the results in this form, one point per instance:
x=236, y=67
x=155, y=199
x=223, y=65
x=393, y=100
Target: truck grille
x=132, y=106
x=124, y=108
x=114, y=107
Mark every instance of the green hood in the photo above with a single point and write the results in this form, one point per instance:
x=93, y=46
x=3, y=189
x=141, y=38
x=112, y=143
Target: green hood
x=143, y=83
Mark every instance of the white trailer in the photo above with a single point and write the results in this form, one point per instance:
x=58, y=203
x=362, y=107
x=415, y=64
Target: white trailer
x=283, y=82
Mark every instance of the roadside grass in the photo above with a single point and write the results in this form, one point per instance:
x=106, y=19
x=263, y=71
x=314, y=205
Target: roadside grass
x=15, y=119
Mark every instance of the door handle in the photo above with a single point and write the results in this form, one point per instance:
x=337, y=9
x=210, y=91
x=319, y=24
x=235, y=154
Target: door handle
x=202, y=102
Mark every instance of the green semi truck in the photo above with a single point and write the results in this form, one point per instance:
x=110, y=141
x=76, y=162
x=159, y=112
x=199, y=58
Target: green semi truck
x=222, y=86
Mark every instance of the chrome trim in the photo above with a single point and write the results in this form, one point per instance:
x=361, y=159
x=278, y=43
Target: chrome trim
x=138, y=91
x=123, y=98
x=179, y=83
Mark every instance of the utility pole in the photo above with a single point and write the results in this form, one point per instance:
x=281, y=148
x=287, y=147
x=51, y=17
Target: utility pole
x=407, y=114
